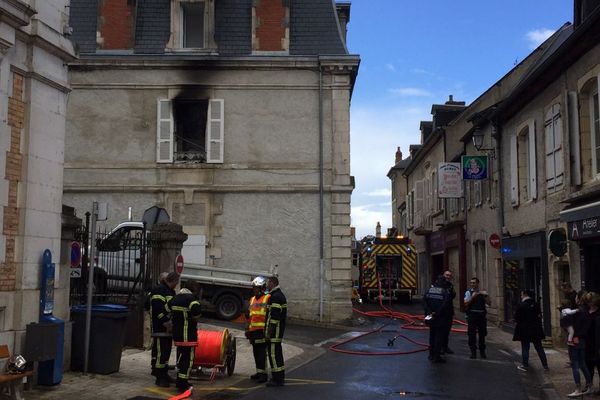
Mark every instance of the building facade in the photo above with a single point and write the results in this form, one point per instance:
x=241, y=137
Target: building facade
x=34, y=87
x=234, y=117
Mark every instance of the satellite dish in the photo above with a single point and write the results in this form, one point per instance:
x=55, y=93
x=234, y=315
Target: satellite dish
x=155, y=215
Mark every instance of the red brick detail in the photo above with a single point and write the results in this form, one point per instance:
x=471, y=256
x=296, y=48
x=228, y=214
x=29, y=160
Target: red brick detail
x=270, y=31
x=115, y=23
x=14, y=162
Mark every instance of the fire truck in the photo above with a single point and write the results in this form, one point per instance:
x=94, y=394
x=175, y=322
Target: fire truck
x=387, y=267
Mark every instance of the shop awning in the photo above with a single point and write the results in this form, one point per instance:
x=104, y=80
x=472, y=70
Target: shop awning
x=579, y=213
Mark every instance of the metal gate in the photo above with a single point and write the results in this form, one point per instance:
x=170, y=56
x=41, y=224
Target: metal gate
x=122, y=274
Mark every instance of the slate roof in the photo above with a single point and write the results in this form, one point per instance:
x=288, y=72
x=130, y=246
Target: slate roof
x=314, y=27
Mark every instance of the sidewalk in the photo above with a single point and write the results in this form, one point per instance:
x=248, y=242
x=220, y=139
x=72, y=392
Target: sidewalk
x=134, y=380
x=555, y=383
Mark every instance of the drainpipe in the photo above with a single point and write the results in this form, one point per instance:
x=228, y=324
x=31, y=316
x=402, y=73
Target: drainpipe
x=321, y=194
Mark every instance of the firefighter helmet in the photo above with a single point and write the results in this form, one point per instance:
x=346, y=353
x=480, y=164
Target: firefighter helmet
x=259, y=281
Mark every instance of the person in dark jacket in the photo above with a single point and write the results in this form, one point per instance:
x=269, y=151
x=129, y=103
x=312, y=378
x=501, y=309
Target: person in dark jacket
x=447, y=280
x=255, y=329
x=529, y=329
x=581, y=325
x=161, y=327
x=185, y=309
x=592, y=344
x=274, y=330
x=436, y=315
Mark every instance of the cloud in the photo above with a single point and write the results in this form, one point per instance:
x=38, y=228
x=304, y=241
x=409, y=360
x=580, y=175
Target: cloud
x=365, y=219
x=538, y=36
x=410, y=92
x=386, y=192
x=390, y=67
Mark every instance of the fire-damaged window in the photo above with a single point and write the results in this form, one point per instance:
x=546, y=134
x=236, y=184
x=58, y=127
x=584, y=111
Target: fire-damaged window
x=190, y=130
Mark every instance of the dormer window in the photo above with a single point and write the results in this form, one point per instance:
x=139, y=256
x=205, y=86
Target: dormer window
x=192, y=26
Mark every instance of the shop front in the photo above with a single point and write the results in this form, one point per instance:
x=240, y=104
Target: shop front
x=525, y=266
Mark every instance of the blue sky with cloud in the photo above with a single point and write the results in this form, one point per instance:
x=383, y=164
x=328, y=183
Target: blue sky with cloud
x=415, y=54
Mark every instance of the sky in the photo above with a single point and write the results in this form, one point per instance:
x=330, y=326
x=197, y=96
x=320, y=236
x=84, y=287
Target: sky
x=415, y=54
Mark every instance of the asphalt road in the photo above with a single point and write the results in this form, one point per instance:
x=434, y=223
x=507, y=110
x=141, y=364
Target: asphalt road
x=334, y=375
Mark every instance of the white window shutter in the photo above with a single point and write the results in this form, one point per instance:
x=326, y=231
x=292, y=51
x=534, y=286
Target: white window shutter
x=514, y=171
x=164, y=131
x=477, y=193
x=215, y=128
x=420, y=196
x=532, y=163
x=558, y=148
x=549, y=140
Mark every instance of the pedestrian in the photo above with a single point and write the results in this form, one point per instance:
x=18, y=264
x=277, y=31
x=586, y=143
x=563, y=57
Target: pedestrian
x=475, y=302
x=255, y=329
x=569, y=293
x=567, y=317
x=592, y=344
x=449, y=321
x=274, y=330
x=185, y=310
x=436, y=314
x=529, y=329
x=576, y=348
x=162, y=340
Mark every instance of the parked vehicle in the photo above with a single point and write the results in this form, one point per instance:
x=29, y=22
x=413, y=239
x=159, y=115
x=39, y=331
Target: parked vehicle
x=387, y=268
x=223, y=290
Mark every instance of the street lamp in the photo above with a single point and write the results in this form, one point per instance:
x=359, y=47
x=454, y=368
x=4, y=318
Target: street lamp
x=478, y=137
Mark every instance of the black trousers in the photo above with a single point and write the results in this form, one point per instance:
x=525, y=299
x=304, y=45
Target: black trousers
x=161, y=351
x=593, y=365
x=476, y=325
x=275, y=354
x=447, y=327
x=185, y=361
x=259, y=349
x=436, y=340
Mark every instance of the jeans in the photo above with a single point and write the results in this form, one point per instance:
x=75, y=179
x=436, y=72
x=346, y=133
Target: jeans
x=538, y=348
x=577, y=359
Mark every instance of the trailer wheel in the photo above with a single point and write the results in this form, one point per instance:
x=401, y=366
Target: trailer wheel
x=228, y=306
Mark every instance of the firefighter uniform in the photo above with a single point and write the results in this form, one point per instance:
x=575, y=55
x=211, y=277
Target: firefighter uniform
x=257, y=317
x=184, y=309
x=274, y=330
x=161, y=335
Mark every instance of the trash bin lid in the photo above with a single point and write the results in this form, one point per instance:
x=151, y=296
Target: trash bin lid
x=109, y=308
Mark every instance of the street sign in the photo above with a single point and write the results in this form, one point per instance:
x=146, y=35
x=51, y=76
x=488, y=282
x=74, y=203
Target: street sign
x=179, y=264
x=495, y=241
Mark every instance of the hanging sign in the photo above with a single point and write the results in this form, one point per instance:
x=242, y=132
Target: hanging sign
x=474, y=167
x=449, y=180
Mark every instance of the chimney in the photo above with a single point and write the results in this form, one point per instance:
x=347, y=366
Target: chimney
x=343, y=14
x=451, y=101
x=398, y=155
x=582, y=9
x=378, y=230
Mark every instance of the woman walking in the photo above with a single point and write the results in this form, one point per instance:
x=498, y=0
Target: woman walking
x=581, y=324
x=592, y=361
x=529, y=330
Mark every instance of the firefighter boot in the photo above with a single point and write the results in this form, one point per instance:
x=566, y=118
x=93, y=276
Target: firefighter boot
x=162, y=378
x=482, y=353
x=473, y=354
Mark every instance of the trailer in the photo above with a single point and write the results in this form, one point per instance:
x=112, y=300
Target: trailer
x=387, y=269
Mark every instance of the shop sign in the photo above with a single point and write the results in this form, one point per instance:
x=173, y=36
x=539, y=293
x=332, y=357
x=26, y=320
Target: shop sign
x=474, y=167
x=583, y=229
x=449, y=180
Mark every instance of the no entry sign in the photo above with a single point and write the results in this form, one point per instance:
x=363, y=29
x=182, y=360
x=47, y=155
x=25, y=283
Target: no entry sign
x=495, y=241
x=179, y=264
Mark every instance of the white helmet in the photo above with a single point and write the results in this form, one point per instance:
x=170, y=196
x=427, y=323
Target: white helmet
x=259, y=281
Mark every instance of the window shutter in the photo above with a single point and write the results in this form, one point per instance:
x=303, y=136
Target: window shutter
x=164, y=132
x=468, y=202
x=215, y=130
x=549, y=140
x=558, y=148
x=477, y=193
x=420, y=196
x=532, y=163
x=514, y=172
x=575, y=167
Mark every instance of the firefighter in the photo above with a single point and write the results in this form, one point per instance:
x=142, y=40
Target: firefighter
x=255, y=330
x=161, y=327
x=185, y=309
x=274, y=330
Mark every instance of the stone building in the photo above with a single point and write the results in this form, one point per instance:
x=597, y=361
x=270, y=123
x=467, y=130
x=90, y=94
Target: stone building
x=233, y=115
x=34, y=87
